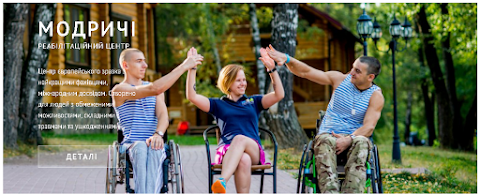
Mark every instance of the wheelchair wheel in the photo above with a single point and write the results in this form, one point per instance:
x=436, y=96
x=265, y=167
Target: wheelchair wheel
x=182, y=186
x=111, y=174
x=174, y=170
x=376, y=174
x=307, y=171
x=300, y=169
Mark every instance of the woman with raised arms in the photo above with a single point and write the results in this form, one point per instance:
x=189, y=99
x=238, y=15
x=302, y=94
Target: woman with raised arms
x=237, y=117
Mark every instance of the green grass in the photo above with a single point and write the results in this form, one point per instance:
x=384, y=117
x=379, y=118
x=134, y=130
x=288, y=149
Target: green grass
x=461, y=165
x=425, y=183
x=191, y=140
x=79, y=139
x=107, y=139
x=23, y=149
x=93, y=139
x=288, y=159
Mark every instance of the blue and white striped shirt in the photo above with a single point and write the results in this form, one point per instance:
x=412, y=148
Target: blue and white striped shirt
x=346, y=110
x=137, y=118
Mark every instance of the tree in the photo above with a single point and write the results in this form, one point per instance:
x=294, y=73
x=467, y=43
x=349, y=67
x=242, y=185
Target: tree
x=282, y=118
x=445, y=114
x=464, y=138
x=15, y=16
x=408, y=118
x=452, y=132
x=199, y=25
x=261, y=75
x=211, y=37
x=37, y=58
x=428, y=102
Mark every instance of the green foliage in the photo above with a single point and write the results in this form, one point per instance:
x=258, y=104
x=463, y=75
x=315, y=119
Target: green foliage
x=461, y=23
x=346, y=13
x=190, y=23
x=264, y=17
x=203, y=26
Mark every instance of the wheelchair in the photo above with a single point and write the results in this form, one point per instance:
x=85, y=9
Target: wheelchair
x=307, y=177
x=119, y=168
x=262, y=170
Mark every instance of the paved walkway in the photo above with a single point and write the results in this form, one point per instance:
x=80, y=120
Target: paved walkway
x=21, y=175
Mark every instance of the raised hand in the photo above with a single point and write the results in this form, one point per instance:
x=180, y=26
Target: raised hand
x=267, y=61
x=190, y=52
x=193, y=59
x=279, y=57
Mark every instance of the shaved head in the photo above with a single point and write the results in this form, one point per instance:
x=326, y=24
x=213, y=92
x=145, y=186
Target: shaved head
x=124, y=56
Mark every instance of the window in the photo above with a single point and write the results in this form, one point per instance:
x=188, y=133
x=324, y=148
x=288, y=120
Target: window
x=77, y=57
x=119, y=36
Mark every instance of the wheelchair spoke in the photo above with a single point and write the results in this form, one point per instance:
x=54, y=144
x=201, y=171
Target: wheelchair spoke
x=181, y=170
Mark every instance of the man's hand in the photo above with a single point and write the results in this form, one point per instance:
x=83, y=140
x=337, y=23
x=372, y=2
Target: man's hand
x=193, y=59
x=279, y=57
x=342, y=143
x=267, y=61
x=156, y=141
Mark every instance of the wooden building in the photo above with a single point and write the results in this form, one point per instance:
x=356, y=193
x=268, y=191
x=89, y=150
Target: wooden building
x=333, y=49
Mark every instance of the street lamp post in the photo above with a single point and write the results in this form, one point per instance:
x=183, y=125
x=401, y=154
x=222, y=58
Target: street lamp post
x=396, y=30
x=364, y=28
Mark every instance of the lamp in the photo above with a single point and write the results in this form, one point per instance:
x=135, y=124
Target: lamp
x=365, y=27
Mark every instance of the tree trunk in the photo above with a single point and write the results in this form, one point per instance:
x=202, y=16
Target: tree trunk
x=15, y=19
x=261, y=75
x=37, y=58
x=282, y=118
x=445, y=113
x=429, y=113
x=471, y=125
x=427, y=101
x=408, y=118
x=211, y=36
x=460, y=137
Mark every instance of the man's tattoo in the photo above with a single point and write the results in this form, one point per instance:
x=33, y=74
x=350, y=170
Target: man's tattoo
x=194, y=88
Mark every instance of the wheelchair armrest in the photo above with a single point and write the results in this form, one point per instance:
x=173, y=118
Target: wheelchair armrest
x=272, y=136
x=207, y=144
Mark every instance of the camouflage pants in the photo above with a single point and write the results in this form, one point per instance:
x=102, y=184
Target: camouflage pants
x=326, y=164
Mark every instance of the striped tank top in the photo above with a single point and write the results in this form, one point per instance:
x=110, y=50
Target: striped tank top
x=137, y=118
x=346, y=110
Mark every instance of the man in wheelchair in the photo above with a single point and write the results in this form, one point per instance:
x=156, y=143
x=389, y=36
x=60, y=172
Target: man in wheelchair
x=351, y=117
x=143, y=117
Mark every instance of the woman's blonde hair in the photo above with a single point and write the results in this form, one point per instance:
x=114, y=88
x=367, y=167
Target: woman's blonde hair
x=227, y=76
